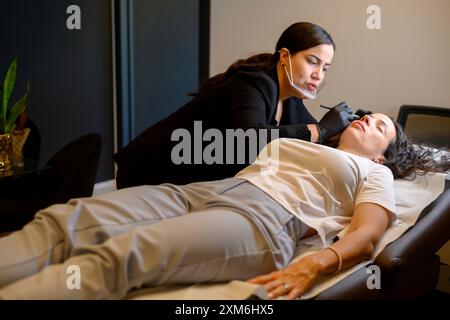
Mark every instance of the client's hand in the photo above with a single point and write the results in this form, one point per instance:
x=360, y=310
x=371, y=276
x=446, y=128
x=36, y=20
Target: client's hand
x=292, y=281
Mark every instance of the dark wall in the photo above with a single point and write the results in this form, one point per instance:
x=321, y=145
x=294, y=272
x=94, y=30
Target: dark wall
x=166, y=57
x=70, y=71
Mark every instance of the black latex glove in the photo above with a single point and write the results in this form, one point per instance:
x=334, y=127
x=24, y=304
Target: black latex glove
x=335, y=121
x=361, y=112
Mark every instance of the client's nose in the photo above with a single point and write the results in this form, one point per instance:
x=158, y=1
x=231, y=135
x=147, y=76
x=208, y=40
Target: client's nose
x=367, y=120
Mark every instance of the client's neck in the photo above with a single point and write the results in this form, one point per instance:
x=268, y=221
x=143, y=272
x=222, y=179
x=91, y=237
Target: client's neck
x=351, y=150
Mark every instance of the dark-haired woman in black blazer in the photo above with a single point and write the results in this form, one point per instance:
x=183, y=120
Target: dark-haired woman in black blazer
x=265, y=91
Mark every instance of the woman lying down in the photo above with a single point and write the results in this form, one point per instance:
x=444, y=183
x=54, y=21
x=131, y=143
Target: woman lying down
x=246, y=227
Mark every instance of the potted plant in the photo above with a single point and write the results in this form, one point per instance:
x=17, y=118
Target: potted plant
x=8, y=116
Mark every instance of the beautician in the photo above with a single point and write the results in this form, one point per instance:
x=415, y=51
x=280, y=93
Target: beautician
x=265, y=91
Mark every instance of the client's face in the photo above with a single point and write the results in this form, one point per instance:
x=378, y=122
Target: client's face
x=369, y=137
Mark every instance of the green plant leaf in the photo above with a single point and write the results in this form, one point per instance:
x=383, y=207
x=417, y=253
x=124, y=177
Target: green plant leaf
x=15, y=111
x=8, y=86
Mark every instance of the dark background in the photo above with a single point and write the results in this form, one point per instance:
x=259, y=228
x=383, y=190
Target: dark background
x=160, y=55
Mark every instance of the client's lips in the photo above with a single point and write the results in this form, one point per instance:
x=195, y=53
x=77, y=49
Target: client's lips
x=361, y=125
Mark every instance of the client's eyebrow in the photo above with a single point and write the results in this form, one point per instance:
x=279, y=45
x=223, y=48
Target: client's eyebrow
x=381, y=121
x=384, y=125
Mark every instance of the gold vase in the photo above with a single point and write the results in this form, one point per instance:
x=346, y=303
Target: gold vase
x=5, y=152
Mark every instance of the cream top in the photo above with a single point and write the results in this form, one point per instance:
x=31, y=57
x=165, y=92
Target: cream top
x=318, y=184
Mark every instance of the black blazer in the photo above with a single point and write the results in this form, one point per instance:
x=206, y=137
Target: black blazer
x=248, y=99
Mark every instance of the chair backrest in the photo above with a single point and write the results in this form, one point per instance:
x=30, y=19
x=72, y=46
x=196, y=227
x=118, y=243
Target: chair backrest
x=32, y=147
x=424, y=124
x=74, y=168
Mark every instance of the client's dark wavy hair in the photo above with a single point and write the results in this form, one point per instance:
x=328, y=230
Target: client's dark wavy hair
x=406, y=159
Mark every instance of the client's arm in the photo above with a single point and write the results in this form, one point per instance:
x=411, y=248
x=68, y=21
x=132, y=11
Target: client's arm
x=368, y=224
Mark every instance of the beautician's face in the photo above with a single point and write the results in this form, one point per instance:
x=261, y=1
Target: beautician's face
x=309, y=66
x=369, y=137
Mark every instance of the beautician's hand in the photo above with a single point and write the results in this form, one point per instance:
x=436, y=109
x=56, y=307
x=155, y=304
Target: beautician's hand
x=291, y=281
x=361, y=112
x=335, y=121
